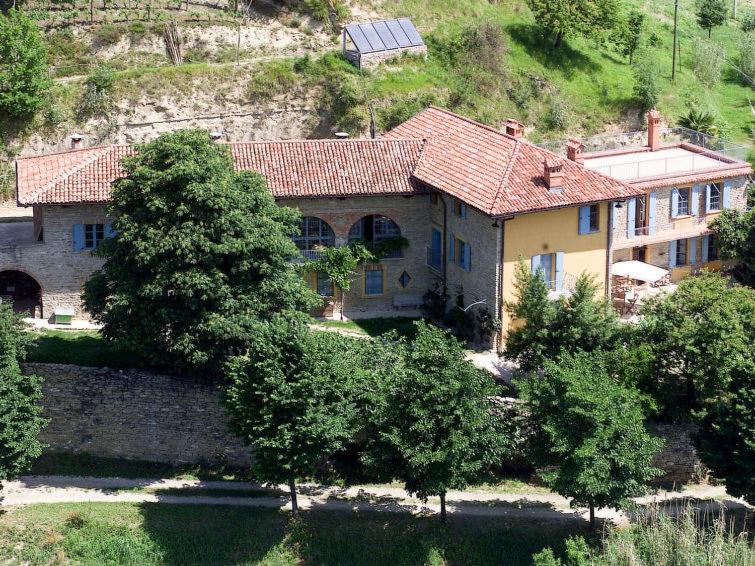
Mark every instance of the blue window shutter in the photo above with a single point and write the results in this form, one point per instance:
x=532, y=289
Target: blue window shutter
x=78, y=237
x=535, y=264
x=584, y=219
x=704, y=255
x=727, y=194
x=559, y=271
x=651, y=212
x=692, y=250
x=630, y=217
x=467, y=257
x=695, y=204
x=674, y=203
x=672, y=254
x=707, y=198
x=109, y=231
x=463, y=210
x=451, y=243
x=614, y=213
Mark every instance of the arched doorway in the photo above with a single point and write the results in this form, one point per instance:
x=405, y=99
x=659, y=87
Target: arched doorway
x=372, y=230
x=22, y=291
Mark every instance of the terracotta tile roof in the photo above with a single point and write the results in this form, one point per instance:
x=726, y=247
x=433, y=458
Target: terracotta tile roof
x=497, y=173
x=306, y=169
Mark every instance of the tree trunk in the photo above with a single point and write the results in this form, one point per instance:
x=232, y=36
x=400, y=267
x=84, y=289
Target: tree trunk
x=343, y=300
x=709, y=30
x=559, y=39
x=443, y=517
x=294, y=502
x=592, y=517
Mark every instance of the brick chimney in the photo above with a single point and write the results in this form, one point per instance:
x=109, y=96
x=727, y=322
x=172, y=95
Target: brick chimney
x=514, y=128
x=654, y=130
x=575, y=150
x=76, y=141
x=553, y=172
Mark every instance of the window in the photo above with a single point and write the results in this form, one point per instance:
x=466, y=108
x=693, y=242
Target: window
x=435, y=251
x=460, y=253
x=681, y=252
x=373, y=230
x=714, y=197
x=324, y=285
x=547, y=264
x=373, y=280
x=460, y=209
x=713, y=252
x=589, y=219
x=314, y=233
x=682, y=205
x=404, y=279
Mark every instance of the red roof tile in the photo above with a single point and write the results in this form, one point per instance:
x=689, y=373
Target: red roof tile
x=497, y=173
x=305, y=169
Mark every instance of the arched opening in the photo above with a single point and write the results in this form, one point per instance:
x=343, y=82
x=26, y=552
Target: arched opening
x=22, y=291
x=314, y=234
x=372, y=230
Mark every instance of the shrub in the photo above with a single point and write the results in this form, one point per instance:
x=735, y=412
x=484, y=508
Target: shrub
x=558, y=116
x=402, y=109
x=647, y=89
x=700, y=121
x=271, y=79
x=708, y=61
x=748, y=20
x=747, y=54
x=108, y=34
x=95, y=100
x=137, y=30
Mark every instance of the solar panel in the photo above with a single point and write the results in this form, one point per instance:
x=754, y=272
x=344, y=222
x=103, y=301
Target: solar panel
x=381, y=36
x=411, y=31
x=369, y=32
x=385, y=35
x=398, y=33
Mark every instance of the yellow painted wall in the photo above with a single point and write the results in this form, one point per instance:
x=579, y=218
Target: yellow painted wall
x=550, y=232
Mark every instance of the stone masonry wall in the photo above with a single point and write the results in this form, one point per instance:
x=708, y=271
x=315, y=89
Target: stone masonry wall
x=140, y=415
x=136, y=415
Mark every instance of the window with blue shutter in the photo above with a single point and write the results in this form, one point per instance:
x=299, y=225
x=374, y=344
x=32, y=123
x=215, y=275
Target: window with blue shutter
x=727, y=194
x=535, y=263
x=466, y=257
x=672, y=254
x=559, y=271
x=713, y=197
x=704, y=254
x=373, y=280
x=451, y=247
x=692, y=251
x=696, y=200
x=653, y=198
x=584, y=220
x=674, y=202
x=631, y=210
x=78, y=237
x=109, y=230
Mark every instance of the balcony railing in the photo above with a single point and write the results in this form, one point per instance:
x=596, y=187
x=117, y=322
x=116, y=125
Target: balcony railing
x=434, y=258
x=568, y=285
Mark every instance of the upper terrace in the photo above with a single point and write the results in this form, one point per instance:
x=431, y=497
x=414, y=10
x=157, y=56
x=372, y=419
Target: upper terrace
x=660, y=153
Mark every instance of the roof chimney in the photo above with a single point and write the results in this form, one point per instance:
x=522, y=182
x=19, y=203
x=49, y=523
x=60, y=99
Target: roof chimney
x=575, y=150
x=342, y=135
x=514, y=128
x=654, y=129
x=76, y=140
x=553, y=172
x=215, y=136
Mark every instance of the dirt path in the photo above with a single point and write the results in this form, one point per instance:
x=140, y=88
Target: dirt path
x=536, y=506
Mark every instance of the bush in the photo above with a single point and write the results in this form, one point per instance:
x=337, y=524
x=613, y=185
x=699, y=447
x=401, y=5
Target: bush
x=747, y=55
x=271, y=79
x=647, y=89
x=402, y=109
x=558, y=116
x=748, y=21
x=95, y=100
x=708, y=61
x=137, y=30
x=108, y=34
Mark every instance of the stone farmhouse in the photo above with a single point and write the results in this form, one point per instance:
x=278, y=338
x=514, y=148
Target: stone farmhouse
x=471, y=200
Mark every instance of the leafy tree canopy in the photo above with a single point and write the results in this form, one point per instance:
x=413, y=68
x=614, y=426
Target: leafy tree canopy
x=202, y=254
x=23, y=65
x=629, y=35
x=579, y=321
x=20, y=412
x=290, y=399
x=735, y=231
x=438, y=425
x=589, y=431
x=711, y=13
x=562, y=18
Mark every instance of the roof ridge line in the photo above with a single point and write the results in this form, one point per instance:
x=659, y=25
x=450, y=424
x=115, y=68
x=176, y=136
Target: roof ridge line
x=476, y=123
x=325, y=140
x=97, y=153
x=72, y=150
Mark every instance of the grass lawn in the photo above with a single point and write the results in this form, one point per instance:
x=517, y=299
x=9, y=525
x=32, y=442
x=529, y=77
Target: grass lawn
x=159, y=533
x=404, y=325
x=79, y=347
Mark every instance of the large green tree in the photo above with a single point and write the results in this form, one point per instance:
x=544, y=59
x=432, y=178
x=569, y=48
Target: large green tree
x=20, y=412
x=711, y=13
x=562, y=18
x=726, y=438
x=23, y=65
x=202, y=253
x=579, y=321
x=630, y=33
x=589, y=437
x=438, y=427
x=289, y=399
x=735, y=232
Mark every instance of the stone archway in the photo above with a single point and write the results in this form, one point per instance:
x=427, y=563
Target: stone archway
x=22, y=291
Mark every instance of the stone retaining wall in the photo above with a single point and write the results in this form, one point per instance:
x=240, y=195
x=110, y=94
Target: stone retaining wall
x=140, y=415
x=135, y=414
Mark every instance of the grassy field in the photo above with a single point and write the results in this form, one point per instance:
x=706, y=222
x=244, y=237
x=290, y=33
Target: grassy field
x=158, y=533
x=78, y=347
x=403, y=325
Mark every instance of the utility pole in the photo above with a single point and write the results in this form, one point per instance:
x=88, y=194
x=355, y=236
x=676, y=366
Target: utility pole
x=673, y=58
x=734, y=14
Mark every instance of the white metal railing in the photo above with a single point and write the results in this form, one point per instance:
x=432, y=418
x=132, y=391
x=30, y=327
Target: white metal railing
x=568, y=284
x=637, y=169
